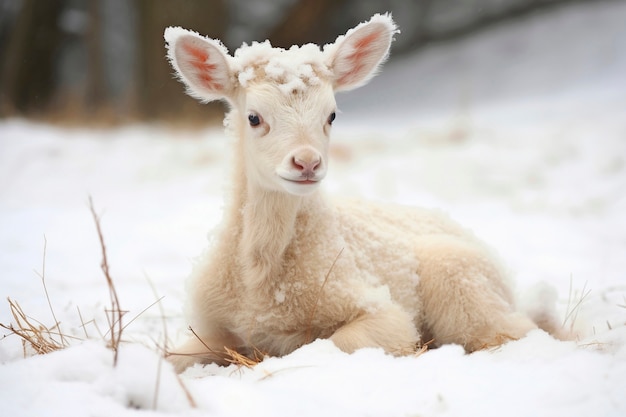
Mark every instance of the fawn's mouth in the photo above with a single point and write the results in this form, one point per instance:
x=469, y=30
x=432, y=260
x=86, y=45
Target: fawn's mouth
x=303, y=181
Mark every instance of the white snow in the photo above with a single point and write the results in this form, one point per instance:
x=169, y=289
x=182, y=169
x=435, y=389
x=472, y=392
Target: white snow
x=294, y=68
x=518, y=132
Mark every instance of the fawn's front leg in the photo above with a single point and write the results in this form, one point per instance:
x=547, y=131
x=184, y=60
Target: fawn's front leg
x=390, y=328
x=203, y=349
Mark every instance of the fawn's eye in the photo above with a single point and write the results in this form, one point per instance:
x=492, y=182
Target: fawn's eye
x=254, y=119
x=331, y=118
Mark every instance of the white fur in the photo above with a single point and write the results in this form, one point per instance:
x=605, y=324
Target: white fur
x=288, y=266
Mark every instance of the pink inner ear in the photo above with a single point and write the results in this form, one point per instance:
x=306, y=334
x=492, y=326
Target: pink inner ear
x=356, y=58
x=198, y=58
x=362, y=44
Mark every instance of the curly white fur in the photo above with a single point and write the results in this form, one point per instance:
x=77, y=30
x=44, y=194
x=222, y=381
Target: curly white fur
x=289, y=266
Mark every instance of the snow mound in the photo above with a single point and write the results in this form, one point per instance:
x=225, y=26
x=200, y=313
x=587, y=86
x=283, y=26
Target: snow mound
x=293, y=69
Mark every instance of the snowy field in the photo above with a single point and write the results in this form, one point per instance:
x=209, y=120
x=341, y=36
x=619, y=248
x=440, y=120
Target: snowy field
x=518, y=132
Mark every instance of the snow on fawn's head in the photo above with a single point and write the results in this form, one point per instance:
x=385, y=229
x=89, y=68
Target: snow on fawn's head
x=282, y=100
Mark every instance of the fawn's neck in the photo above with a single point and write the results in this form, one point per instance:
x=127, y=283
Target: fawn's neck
x=268, y=226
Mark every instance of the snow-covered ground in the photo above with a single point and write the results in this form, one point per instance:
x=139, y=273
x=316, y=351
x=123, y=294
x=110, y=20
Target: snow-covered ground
x=518, y=132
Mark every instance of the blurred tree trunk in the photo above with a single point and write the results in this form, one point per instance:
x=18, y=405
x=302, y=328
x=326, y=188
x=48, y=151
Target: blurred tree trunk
x=96, y=87
x=307, y=21
x=159, y=95
x=27, y=78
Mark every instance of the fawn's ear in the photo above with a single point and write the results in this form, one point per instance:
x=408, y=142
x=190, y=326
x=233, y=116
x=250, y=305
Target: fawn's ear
x=355, y=57
x=200, y=63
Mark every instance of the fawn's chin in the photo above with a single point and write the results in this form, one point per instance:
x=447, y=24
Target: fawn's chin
x=300, y=188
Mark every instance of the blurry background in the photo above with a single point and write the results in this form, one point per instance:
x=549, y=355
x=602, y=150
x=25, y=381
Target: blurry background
x=103, y=61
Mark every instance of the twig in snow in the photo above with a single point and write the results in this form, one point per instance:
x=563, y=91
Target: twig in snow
x=115, y=314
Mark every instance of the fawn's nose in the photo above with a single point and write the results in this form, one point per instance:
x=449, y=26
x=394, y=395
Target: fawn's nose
x=307, y=166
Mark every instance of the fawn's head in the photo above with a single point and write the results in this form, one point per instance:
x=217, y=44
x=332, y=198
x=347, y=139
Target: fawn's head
x=282, y=100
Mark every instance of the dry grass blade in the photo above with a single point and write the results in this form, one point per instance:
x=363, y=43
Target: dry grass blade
x=141, y=312
x=228, y=355
x=157, y=385
x=186, y=391
x=41, y=338
x=83, y=325
x=422, y=348
x=573, y=306
x=308, y=336
x=45, y=288
x=236, y=358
